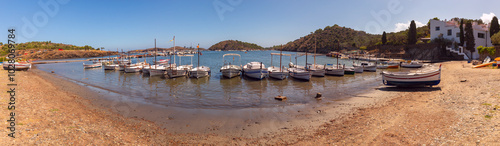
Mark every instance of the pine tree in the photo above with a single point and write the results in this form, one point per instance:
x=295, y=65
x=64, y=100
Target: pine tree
x=412, y=33
x=462, y=32
x=494, y=26
x=384, y=38
x=469, y=38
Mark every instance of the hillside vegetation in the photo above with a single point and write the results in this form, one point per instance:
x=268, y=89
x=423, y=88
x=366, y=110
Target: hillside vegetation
x=45, y=45
x=349, y=39
x=235, y=45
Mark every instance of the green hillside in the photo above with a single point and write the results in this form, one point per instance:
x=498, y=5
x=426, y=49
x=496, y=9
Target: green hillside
x=235, y=45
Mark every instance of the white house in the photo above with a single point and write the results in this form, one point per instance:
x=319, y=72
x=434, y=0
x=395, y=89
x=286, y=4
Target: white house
x=451, y=30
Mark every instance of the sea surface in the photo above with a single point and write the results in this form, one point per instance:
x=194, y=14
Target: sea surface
x=217, y=92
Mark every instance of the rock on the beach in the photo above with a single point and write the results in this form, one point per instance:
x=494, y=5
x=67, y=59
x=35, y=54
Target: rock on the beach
x=318, y=95
x=279, y=97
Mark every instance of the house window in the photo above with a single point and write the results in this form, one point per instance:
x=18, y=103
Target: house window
x=480, y=35
x=437, y=28
x=449, y=32
x=458, y=35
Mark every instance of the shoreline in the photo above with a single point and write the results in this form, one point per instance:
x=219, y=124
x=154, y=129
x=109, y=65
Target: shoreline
x=245, y=122
x=370, y=118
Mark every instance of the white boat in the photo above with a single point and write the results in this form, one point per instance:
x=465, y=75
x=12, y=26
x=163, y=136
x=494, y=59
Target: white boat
x=17, y=65
x=366, y=66
x=162, y=61
x=317, y=70
x=382, y=66
x=335, y=70
x=358, y=69
x=111, y=67
x=158, y=71
x=136, y=67
x=349, y=70
x=180, y=71
x=278, y=72
x=301, y=74
x=256, y=70
x=229, y=70
x=412, y=64
x=133, y=69
x=93, y=65
x=199, y=71
x=428, y=76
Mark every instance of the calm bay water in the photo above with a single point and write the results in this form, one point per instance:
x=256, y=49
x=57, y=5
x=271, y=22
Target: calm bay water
x=216, y=92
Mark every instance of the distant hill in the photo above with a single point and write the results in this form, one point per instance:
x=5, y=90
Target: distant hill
x=349, y=39
x=46, y=45
x=235, y=45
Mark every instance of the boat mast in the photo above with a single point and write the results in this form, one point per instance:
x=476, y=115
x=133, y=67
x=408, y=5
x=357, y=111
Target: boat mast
x=314, y=51
x=281, y=51
x=338, y=53
x=174, y=49
x=198, y=55
x=155, y=53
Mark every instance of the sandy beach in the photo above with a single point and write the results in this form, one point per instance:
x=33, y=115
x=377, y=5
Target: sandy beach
x=462, y=109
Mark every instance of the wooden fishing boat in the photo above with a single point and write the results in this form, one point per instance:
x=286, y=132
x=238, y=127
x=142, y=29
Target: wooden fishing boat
x=349, y=70
x=93, y=65
x=199, y=71
x=23, y=65
x=429, y=76
x=256, y=70
x=228, y=69
x=412, y=64
x=278, y=72
x=335, y=70
x=366, y=66
x=300, y=74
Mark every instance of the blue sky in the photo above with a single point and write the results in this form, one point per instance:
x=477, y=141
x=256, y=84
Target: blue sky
x=134, y=24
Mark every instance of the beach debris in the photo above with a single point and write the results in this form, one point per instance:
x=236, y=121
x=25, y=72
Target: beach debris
x=280, y=98
x=318, y=96
x=463, y=80
x=52, y=71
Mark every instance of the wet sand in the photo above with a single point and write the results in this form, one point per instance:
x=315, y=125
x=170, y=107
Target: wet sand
x=55, y=111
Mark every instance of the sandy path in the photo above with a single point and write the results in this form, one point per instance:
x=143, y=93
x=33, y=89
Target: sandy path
x=454, y=112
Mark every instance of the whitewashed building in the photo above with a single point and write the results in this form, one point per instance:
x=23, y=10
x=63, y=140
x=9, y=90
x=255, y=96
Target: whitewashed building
x=451, y=30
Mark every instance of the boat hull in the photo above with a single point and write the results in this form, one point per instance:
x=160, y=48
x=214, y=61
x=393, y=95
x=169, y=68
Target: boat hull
x=176, y=73
x=318, y=72
x=358, y=69
x=256, y=73
x=156, y=72
x=430, y=78
x=97, y=65
x=335, y=72
x=111, y=67
x=132, y=69
x=301, y=76
x=198, y=74
x=411, y=65
x=229, y=73
x=278, y=75
x=370, y=68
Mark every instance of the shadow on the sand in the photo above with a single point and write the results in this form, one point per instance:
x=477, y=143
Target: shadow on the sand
x=410, y=89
